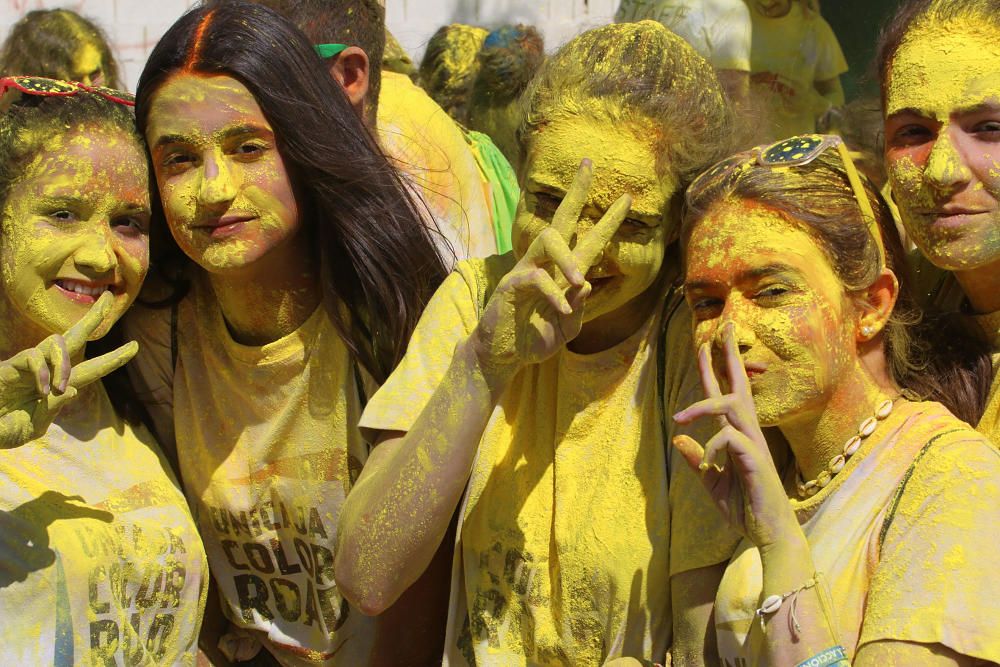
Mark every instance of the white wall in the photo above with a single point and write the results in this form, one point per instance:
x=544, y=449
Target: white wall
x=134, y=26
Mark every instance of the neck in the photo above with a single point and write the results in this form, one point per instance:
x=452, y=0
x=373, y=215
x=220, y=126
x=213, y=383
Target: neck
x=272, y=297
x=982, y=287
x=817, y=437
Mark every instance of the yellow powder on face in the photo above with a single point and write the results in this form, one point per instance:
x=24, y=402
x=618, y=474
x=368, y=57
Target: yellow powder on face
x=79, y=211
x=942, y=72
x=624, y=163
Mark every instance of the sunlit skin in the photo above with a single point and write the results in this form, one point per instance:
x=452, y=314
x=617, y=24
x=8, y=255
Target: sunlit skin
x=230, y=205
x=77, y=219
x=943, y=151
x=623, y=295
x=797, y=329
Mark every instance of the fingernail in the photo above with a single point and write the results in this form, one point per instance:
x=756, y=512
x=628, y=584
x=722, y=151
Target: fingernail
x=586, y=163
x=703, y=466
x=677, y=416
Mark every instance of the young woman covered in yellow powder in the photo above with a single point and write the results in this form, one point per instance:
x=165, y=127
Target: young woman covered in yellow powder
x=304, y=267
x=527, y=399
x=100, y=561
x=877, y=544
x=59, y=43
x=940, y=70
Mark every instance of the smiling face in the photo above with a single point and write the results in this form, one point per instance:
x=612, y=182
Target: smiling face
x=73, y=226
x=794, y=323
x=943, y=142
x=622, y=164
x=224, y=187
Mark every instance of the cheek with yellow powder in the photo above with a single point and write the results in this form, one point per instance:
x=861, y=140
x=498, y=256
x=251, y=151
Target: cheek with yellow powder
x=74, y=225
x=943, y=107
x=793, y=325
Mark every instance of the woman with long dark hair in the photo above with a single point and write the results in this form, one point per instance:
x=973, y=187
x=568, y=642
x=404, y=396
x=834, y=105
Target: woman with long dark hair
x=296, y=270
x=940, y=71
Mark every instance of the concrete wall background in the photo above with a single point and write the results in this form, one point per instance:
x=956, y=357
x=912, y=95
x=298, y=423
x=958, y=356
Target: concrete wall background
x=134, y=26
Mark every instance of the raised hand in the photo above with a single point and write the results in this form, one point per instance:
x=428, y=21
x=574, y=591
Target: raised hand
x=538, y=307
x=36, y=383
x=735, y=464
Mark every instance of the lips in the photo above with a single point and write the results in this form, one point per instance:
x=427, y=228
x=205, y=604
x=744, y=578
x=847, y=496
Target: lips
x=83, y=291
x=223, y=226
x=754, y=368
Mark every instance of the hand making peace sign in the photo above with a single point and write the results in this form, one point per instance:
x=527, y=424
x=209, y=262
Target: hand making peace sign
x=36, y=383
x=538, y=307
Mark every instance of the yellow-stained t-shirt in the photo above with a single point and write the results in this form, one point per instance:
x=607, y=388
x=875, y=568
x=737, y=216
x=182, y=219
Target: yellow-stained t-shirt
x=100, y=561
x=905, y=537
x=431, y=152
x=938, y=289
x=268, y=452
x=788, y=55
x=563, y=542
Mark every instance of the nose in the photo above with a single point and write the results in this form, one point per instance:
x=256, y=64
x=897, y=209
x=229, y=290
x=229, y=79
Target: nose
x=96, y=255
x=742, y=332
x=217, y=183
x=946, y=170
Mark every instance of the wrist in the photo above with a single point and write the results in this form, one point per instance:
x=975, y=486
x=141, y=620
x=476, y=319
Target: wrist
x=496, y=373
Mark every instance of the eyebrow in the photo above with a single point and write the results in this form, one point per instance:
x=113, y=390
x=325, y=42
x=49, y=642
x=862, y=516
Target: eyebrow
x=231, y=131
x=982, y=107
x=752, y=274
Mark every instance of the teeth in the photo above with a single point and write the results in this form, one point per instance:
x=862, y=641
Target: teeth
x=80, y=288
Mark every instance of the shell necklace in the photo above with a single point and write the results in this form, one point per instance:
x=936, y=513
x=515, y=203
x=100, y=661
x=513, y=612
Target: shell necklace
x=837, y=463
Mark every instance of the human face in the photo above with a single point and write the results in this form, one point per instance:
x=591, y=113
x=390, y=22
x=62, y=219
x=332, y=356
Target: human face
x=943, y=142
x=225, y=190
x=773, y=9
x=74, y=225
x=88, y=68
x=794, y=323
x=623, y=163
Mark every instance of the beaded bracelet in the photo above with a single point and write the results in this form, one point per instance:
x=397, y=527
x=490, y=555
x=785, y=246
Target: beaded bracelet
x=772, y=603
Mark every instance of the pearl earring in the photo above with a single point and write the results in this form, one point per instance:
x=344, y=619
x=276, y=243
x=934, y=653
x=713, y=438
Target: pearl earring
x=867, y=331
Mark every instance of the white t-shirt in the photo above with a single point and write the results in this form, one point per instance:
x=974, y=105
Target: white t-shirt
x=719, y=30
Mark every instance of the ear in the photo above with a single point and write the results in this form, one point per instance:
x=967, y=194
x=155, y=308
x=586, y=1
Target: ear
x=350, y=69
x=878, y=302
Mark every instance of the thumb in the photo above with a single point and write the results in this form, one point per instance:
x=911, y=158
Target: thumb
x=692, y=452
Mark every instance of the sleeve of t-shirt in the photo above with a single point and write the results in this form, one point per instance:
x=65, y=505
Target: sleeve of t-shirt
x=831, y=62
x=936, y=581
x=731, y=35
x=448, y=319
x=151, y=370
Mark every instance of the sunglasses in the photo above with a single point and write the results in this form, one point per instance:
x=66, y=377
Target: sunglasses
x=39, y=86
x=329, y=50
x=798, y=151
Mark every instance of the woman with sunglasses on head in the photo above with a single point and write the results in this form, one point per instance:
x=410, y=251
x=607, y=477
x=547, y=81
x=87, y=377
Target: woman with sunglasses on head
x=875, y=546
x=940, y=70
x=304, y=266
x=100, y=561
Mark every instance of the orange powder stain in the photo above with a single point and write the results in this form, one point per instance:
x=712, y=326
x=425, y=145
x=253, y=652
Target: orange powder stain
x=198, y=42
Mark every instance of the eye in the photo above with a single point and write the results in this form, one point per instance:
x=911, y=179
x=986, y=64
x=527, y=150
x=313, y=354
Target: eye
x=772, y=293
x=545, y=201
x=62, y=215
x=634, y=226
x=988, y=130
x=177, y=161
x=134, y=224
x=912, y=135
x=705, y=307
x=250, y=150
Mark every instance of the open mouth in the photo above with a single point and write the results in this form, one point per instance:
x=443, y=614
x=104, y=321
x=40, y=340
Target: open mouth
x=83, y=292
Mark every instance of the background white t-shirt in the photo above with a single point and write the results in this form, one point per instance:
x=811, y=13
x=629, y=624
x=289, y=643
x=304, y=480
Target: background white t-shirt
x=719, y=30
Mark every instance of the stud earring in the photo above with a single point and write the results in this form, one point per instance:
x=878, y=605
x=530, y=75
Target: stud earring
x=867, y=331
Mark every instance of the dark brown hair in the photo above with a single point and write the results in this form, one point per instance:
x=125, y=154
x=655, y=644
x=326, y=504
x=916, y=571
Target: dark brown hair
x=926, y=355
x=378, y=262
x=46, y=41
